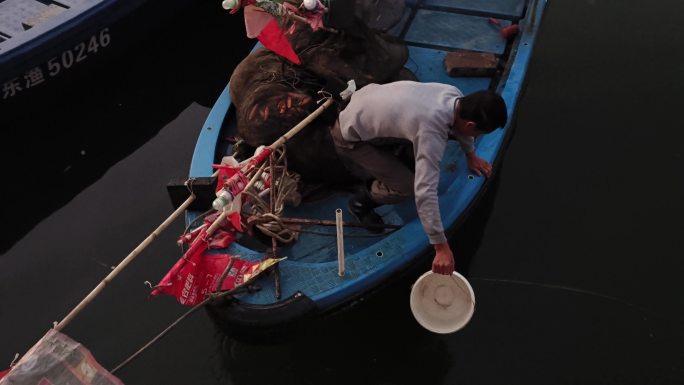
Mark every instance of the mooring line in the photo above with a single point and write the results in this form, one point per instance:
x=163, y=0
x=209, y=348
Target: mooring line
x=566, y=288
x=176, y=322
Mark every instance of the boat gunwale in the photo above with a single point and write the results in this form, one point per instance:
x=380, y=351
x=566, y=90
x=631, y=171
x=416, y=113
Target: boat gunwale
x=512, y=84
x=40, y=34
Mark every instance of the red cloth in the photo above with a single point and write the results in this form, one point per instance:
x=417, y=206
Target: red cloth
x=196, y=273
x=235, y=181
x=225, y=173
x=273, y=38
x=222, y=237
x=255, y=20
x=188, y=278
x=4, y=373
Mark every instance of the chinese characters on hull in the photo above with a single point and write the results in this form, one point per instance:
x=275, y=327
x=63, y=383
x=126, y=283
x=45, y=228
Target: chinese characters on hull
x=66, y=60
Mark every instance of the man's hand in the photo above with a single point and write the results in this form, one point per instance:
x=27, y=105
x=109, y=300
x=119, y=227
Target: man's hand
x=478, y=165
x=444, y=259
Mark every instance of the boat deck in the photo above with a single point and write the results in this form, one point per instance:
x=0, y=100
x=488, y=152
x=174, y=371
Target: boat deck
x=431, y=29
x=18, y=17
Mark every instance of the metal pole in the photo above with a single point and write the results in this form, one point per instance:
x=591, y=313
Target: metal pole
x=324, y=222
x=340, y=242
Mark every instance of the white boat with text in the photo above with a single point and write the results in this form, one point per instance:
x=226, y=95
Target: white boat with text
x=48, y=42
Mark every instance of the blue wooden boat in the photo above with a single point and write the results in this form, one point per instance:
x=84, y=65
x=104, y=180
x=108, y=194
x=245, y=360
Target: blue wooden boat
x=309, y=279
x=42, y=42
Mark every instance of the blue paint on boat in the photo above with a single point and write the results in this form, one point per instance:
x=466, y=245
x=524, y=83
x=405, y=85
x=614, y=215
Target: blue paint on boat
x=453, y=30
x=431, y=29
x=203, y=160
x=497, y=8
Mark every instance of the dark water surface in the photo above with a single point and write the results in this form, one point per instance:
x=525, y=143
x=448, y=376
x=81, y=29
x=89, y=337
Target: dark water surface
x=576, y=255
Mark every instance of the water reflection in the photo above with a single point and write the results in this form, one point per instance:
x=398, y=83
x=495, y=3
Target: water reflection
x=377, y=341
x=554, y=216
x=65, y=138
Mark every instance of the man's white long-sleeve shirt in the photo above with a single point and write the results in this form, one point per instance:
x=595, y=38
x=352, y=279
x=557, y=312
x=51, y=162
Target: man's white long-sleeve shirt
x=422, y=113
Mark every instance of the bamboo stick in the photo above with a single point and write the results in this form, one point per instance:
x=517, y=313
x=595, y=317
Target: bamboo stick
x=279, y=142
x=274, y=242
x=295, y=130
x=122, y=265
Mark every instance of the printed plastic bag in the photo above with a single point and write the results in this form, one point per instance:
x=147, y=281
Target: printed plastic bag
x=57, y=359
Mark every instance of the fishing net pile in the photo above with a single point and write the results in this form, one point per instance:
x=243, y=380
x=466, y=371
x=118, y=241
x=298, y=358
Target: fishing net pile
x=272, y=94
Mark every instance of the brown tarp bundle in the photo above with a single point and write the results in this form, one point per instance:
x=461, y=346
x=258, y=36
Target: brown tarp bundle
x=272, y=95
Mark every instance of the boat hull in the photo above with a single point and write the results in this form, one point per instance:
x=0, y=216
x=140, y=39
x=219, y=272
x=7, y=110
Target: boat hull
x=372, y=265
x=54, y=56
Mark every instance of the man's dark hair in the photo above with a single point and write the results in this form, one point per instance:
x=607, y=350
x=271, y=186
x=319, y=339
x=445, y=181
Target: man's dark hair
x=486, y=108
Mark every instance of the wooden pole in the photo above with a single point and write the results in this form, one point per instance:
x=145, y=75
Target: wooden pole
x=98, y=289
x=293, y=131
x=274, y=242
x=122, y=265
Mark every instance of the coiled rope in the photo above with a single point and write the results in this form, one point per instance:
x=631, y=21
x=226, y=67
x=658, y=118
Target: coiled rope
x=284, y=185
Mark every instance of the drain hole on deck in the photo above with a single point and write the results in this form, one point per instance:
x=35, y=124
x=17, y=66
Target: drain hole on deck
x=471, y=177
x=379, y=253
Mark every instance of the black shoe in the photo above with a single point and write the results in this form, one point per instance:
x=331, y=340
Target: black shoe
x=361, y=208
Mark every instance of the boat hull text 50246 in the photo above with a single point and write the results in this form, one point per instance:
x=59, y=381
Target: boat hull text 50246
x=44, y=42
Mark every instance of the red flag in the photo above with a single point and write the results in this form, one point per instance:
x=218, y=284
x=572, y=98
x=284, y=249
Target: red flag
x=193, y=277
x=232, y=179
x=273, y=38
x=225, y=174
x=197, y=274
x=255, y=20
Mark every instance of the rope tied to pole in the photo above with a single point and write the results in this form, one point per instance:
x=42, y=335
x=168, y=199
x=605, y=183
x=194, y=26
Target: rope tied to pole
x=58, y=326
x=265, y=216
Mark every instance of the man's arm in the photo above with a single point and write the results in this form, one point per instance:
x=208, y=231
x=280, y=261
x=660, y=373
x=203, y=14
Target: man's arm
x=475, y=164
x=429, y=150
x=443, y=263
x=478, y=165
x=427, y=203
